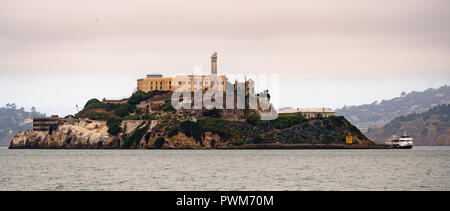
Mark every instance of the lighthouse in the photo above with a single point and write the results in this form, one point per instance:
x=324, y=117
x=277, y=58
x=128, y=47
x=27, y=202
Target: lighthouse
x=214, y=63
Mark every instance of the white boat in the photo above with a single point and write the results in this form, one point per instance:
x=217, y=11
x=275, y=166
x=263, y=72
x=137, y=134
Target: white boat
x=402, y=142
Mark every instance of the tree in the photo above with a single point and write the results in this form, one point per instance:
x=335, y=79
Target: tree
x=252, y=119
x=257, y=139
x=212, y=113
x=93, y=103
x=403, y=94
x=191, y=129
x=124, y=109
x=114, y=125
x=11, y=106
x=159, y=142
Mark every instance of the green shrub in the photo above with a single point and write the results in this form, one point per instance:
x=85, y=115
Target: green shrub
x=149, y=116
x=111, y=106
x=212, y=113
x=319, y=116
x=258, y=139
x=124, y=109
x=92, y=104
x=98, y=115
x=132, y=117
x=159, y=142
x=252, y=119
x=162, y=118
x=147, y=137
x=196, y=129
x=113, y=124
x=173, y=131
x=137, y=97
x=167, y=107
x=337, y=120
x=52, y=128
x=140, y=96
x=286, y=121
x=191, y=129
x=218, y=126
x=114, y=130
x=140, y=117
x=238, y=142
x=135, y=137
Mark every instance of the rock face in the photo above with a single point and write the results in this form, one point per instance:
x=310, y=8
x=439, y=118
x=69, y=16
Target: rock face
x=94, y=135
x=79, y=135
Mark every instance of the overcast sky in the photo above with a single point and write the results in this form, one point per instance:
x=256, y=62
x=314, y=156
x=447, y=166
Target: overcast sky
x=55, y=54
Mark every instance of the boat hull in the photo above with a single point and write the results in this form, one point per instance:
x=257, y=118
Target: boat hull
x=402, y=147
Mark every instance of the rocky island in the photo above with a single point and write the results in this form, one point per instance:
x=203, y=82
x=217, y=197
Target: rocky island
x=139, y=123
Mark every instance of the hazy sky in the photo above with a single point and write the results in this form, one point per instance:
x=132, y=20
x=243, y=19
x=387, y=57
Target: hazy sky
x=55, y=54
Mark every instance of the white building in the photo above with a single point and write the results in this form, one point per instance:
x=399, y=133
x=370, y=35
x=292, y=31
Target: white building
x=309, y=112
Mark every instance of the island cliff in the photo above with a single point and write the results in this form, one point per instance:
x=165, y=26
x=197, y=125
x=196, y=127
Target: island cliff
x=136, y=123
x=208, y=133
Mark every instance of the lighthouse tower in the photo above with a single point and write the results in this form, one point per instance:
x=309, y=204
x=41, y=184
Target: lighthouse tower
x=214, y=64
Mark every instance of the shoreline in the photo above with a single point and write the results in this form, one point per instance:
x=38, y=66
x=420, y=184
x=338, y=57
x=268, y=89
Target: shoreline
x=309, y=146
x=243, y=147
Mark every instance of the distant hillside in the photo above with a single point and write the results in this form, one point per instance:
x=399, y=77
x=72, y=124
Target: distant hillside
x=379, y=114
x=13, y=120
x=429, y=128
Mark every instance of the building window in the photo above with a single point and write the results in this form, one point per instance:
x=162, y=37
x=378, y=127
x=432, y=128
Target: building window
x=160, y=88
x=206, y=82
x=160, y=83
x=189, y=82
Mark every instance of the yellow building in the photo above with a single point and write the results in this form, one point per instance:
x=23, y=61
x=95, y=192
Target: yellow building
x=186, y=83
x=191, y=83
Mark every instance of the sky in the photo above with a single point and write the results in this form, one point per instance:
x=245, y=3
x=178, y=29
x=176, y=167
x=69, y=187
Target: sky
x=55, y=54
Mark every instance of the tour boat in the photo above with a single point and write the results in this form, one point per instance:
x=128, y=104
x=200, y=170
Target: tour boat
x=402, y=142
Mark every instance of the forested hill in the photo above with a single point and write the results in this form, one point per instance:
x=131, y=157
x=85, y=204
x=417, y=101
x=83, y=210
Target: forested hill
x=380, y=113
x=429, y=128
x=13, y=120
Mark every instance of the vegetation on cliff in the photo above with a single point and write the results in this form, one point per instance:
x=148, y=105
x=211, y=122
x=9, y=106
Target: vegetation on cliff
x=135, y=137
x=290, y=129
x=114, y=114
x=285, y=121
x=140, y=96
x=214, y=125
